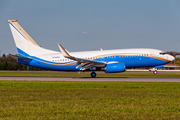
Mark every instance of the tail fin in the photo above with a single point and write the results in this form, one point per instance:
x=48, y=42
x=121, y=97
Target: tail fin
x=21, y=31
x=26, y=46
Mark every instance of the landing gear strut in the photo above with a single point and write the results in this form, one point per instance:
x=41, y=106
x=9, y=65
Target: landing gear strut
x=93, y=74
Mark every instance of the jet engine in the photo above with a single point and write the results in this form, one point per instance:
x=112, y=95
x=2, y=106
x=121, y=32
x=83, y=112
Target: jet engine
x=115, y=67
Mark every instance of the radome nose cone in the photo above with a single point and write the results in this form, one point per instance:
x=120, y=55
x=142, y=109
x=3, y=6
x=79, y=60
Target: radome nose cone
x=171, y=58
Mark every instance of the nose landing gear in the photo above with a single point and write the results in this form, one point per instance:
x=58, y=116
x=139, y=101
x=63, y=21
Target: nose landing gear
x=155, y=72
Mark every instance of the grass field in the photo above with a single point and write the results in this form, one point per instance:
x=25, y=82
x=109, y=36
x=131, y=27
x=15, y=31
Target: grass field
x=87, y=74
x=89, y=100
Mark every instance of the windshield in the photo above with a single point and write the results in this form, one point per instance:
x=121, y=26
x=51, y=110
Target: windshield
x=162, y=53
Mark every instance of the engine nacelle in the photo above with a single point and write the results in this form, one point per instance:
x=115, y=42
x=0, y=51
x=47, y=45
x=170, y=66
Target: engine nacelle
x=115, y=67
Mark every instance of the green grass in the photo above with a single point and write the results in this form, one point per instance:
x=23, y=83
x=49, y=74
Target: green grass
x=87, y=74
x=89, y=100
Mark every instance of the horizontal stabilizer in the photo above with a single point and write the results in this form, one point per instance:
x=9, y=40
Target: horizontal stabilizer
x=16, y=56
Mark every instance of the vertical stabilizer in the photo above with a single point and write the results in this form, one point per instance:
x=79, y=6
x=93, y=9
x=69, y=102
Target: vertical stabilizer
x=22, y=31
x=26, y=46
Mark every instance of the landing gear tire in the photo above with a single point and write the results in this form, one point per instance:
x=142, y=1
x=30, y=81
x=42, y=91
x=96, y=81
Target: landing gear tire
x=155, y=72
x=93, y=74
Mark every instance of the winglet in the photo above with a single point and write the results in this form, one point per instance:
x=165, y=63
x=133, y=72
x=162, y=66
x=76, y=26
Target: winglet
x=63, y=51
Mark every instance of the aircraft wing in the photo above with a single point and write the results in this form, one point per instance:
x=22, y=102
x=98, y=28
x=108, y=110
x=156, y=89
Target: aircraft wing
x=84, y=63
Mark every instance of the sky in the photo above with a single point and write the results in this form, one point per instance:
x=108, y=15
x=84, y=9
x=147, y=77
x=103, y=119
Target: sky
x=84, y=25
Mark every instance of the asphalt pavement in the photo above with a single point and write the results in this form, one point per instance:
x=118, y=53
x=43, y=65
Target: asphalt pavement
x=91, y=79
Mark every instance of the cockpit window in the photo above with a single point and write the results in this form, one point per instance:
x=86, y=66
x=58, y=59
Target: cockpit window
x=162, y=53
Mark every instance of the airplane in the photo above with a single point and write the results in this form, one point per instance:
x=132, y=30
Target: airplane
x=110, y=61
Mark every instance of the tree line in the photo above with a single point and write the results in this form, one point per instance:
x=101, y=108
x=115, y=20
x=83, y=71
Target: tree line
x=9, y=63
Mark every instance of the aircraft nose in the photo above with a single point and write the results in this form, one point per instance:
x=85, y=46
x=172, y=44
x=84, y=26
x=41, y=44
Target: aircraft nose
x=171, y=58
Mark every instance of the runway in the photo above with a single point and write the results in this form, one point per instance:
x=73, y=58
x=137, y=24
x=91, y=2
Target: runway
x=91, y=79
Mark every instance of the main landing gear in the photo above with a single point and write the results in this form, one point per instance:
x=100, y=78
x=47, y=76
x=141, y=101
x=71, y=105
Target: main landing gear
x=93, y=74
